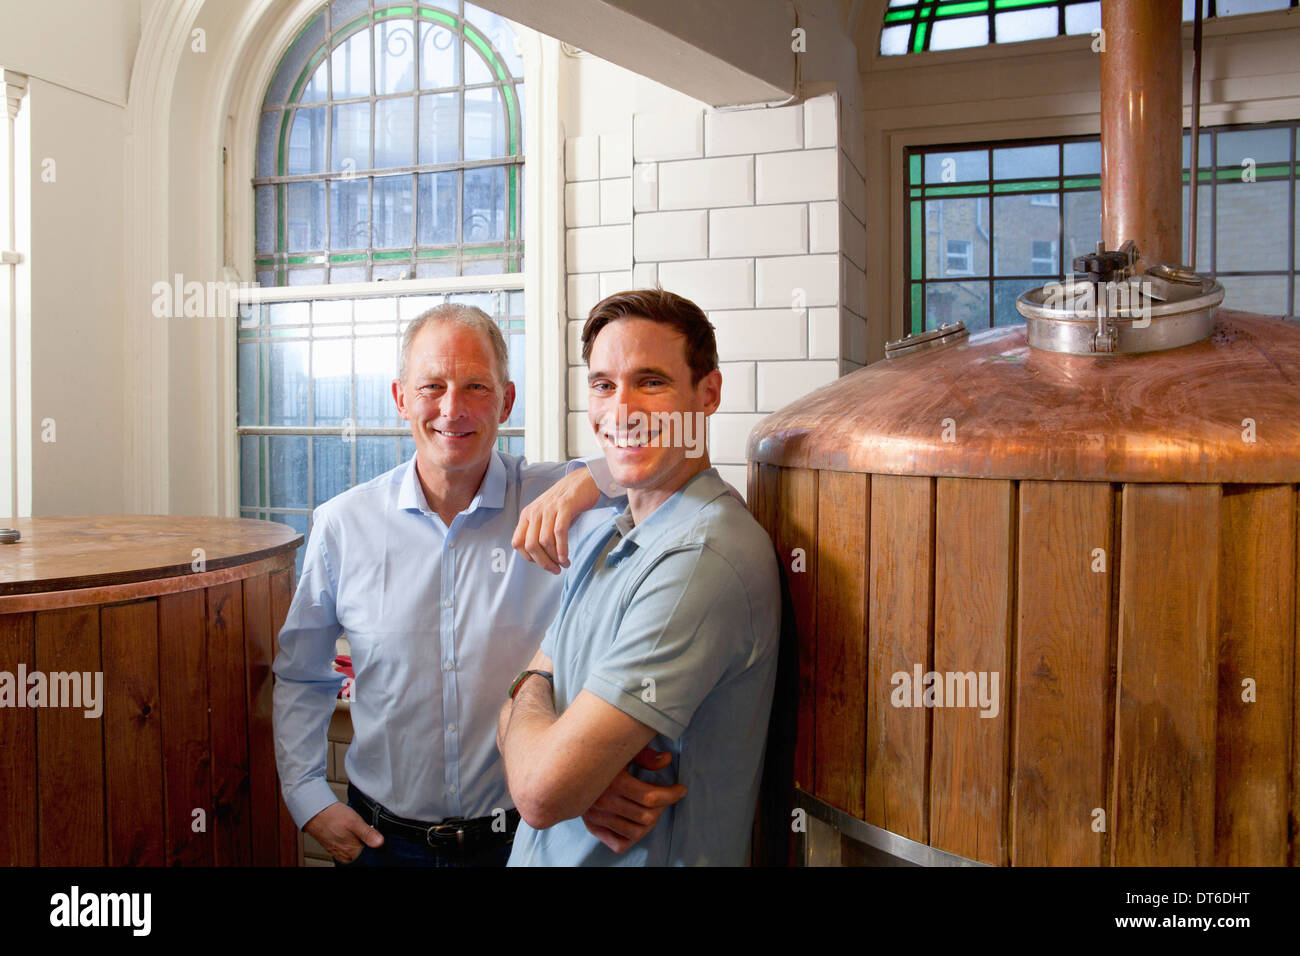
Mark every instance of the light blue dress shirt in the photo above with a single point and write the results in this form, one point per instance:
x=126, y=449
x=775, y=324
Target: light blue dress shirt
x=440, y=620
x=675, y=622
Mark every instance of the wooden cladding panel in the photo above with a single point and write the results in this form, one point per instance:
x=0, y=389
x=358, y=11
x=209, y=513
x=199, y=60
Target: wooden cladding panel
x=1062, y=684
x=18, y=806
x=228, y=725
x=1257, y=643
x=69, y=746
x=796, y=540
x=841, y=716
x=901, y=586
x=187, y=752
x=1165, y=712
x=974, y=519
x=133, y=760
x=264, y=791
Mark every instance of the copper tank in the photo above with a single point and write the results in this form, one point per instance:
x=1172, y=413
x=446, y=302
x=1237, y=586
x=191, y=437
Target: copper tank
x=1089, y=560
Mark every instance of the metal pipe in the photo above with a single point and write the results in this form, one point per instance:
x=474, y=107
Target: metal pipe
x=1142, y=128
x=1194, y=179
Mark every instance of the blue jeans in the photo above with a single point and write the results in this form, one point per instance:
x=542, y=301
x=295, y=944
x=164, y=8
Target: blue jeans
x=403, y=851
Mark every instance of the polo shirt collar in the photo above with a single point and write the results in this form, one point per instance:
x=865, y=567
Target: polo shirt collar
x=683, y=505
x=491, y=491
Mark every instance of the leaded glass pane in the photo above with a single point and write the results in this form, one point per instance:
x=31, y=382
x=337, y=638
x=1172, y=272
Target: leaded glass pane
x=288, y=471
x=376, y=359
x=1025, y=25
x=957, y=166
x=963, y=32
x=1025, y=235
x=331, y=377
x=350, y=67
x=484, y=204
x=957, y=302
x=307, y=142
x=394, y=132
x=1250, y=218
x=394, y=56
x=437, y=214
x=439, y=57
x=265, y=199
x=497, y=32
x=350, y=138
x=305, y=216
x=439, y=128
x=485, y=125
x=1082, y=17
x=349, y=213
x=393, y=209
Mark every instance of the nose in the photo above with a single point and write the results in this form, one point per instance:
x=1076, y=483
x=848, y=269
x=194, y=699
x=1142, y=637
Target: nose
x=453, y=403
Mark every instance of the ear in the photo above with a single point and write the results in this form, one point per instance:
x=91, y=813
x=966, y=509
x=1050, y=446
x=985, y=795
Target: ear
x=399, y=399
x=709, y=392
x=508, y=402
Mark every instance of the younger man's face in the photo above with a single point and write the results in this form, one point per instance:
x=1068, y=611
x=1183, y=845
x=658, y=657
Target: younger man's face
x=639, y=383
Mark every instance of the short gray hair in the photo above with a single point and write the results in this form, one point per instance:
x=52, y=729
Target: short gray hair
x=469, y=316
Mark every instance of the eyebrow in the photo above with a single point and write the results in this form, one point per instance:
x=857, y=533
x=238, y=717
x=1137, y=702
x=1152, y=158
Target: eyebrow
x=644, y=370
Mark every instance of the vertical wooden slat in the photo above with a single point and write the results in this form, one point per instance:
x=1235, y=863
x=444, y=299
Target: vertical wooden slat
x=69, y=746
x=1062, y=681
x=796, y=531
x=841, y=716
x=263, y=792
x=1165, y=709
x=228, y=725
x=18, y=807
x=281, y=598
x=133, y=777
x=972, y=628
x=187, y=752
x=1294, y=848
x=1256, y=642
x=899, y=636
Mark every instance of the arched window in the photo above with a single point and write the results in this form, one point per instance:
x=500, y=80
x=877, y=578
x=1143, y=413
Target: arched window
x=388, y=179
x=391, y=146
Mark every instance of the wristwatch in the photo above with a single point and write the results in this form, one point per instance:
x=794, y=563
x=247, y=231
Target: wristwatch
x=519, y=681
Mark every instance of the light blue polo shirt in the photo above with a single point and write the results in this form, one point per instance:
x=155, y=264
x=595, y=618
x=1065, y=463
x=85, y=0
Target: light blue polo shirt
x=674, y=621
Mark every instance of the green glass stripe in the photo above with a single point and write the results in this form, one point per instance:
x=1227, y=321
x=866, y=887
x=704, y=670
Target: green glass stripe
x=512, y=202
x=401, y=254
x=434, y=253
x=918, y=40
x=264, y=260
x=284, y=139
x=489, y=54
x=387, y=12
x=918, y=309
x=484, y=250
x=965, y=190
x=917, y=237
x=444, y=18
x=247, y=333
x=305, y=260
x=312, y=62
x=957, y=9
x=1035, y=186
x=512, y=118
x=914, y=164
x=1083, y=182
x=916, y=191
x=904, y=14
x=348, y=257
x=279, y=218
x=1012, y=4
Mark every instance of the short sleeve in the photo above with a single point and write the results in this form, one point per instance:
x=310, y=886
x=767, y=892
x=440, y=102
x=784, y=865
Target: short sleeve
x=686, y=626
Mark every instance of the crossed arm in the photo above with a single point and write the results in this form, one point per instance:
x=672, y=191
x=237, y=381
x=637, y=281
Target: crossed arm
x=563, y=766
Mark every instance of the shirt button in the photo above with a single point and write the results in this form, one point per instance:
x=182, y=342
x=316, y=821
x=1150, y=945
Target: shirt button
x=447, y=603
x=446, y=665
x=451, y=789
x=451, y=728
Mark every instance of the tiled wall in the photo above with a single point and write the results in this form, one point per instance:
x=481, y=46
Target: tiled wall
x=756, y=215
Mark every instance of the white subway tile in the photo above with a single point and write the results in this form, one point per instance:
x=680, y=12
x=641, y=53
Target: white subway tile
x=645, y=275
x=615, y=201
x=824, y=333
x=780, y=383
x=760, y=333
x=660, y=236
x=824, y=227
x=798, y=281
x=600, y=248
x=582, y=158
x=611, y=282
x=758, y=231
x=853, y=192
x=583, y=293
x=658, y=136
x=645, y=187
x=753, y=131
x=803, y=176
x=615, y=155
x=582, y=204
x=707, y=183
x=711, y=284
x=574, y=329
x=819, y=127
x=737, y=386
x=582, y=441
x=729, y=436
x=578, y=388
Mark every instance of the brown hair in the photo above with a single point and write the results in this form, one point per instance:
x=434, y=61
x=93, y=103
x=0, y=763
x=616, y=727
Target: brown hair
x=678, y=313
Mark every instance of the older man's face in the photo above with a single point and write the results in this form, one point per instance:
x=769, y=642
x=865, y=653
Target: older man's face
x=453, y=397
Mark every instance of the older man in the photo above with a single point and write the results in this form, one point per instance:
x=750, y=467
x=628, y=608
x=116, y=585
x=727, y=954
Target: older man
x=416, y=567
x=668, y=627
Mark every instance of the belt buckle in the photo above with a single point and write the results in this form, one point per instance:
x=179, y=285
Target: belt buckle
x=446, y=828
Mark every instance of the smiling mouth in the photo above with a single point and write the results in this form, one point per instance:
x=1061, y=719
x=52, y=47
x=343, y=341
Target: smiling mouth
x=628, y=441
x=451, y=434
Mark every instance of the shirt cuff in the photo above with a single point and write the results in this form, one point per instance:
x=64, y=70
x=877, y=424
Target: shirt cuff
x=308, y=799
x=600, y=474
x=632, y=705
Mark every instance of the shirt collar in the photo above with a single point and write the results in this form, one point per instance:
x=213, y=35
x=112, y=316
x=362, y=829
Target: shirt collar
x=491, y=491
x=685, y=502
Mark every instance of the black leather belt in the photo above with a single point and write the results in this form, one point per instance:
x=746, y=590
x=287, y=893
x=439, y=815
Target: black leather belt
x=452, y=833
